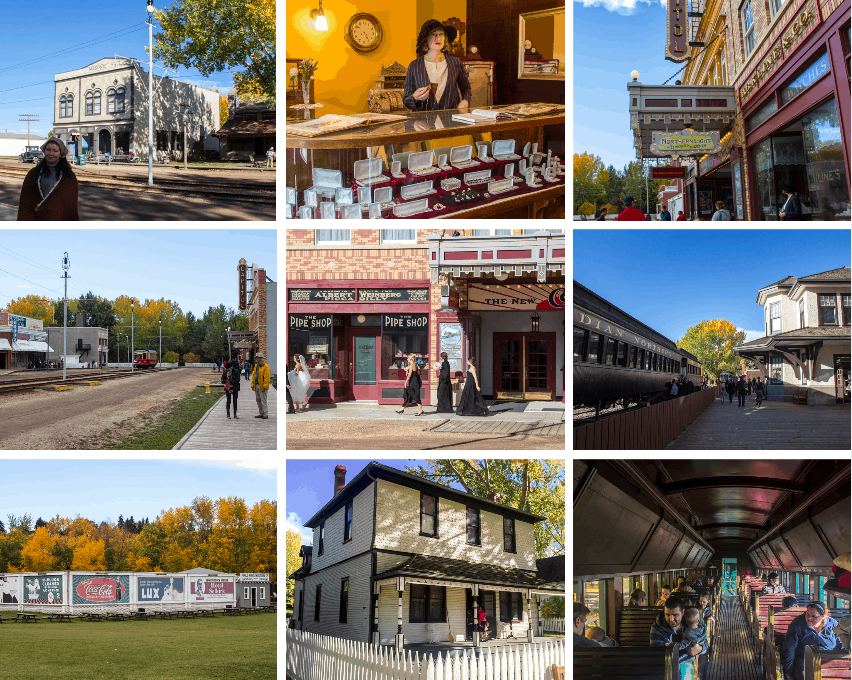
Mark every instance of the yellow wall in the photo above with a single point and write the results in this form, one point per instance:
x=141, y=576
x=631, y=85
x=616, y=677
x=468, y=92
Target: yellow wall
x=345, y=76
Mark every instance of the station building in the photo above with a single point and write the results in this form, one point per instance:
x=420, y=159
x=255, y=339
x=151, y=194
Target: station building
x=359, y=301
x=22, y=340
x=105, y=106
x=83, y=344
x=807, y=342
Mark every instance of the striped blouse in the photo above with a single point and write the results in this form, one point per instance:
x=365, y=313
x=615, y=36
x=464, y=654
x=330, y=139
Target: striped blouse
x=417, y=77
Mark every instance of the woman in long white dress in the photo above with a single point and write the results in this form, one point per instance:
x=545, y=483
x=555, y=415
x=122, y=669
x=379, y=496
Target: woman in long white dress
x=300, y=381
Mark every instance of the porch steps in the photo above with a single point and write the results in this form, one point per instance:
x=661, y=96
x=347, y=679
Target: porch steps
x=486, y=425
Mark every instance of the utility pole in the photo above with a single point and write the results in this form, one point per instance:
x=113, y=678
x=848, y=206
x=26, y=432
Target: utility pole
x=184, y=110
x=66, y=264
x=118, y=351
x=150, y=9
x=28, y=118
x=132, y=339
x=160, y=355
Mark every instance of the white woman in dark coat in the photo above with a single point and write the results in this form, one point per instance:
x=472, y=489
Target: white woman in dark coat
x=445, y=392
x=232, y=390
x=436, y=80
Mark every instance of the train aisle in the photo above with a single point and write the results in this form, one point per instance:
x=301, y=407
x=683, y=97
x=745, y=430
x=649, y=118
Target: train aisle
x=733, y=655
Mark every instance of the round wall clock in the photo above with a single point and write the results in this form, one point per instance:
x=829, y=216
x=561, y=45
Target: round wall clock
x=363, y=32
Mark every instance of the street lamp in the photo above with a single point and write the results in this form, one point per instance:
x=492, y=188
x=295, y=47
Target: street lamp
x=127, y=342
x=150, y=9
x=160, y=355
x=229, y=343
x=634, y=75
x=66, y=265
x=132, y=339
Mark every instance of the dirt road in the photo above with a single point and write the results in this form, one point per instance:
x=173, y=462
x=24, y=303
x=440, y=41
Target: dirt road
x=59, y=420
x=385, y=435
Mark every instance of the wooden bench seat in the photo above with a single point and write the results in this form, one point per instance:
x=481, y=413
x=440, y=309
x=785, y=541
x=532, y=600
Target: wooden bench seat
x=754, y=587
x=776, y=629
x=623, y=663
x=634, y=628
x=760, y=615
x=823, y=665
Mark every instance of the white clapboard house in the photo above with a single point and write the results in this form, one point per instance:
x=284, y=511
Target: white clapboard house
x=398, y=559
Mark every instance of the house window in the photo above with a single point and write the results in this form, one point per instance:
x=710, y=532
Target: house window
x=427, y=604
x=317, y=603
x=802, y=313
x=66, y=106
x=748, y=27
x=89, y=104
x=473, y=526
x=428, y=515
x=827, y=309
x=338, y=237
x=262, y=592
x=399, y=236
x=344, y=600
x=510, y=607
x=774, y=317
x=775, y=6
x=347, y=522
x=246, y=593
x=508, y=534
x=321, y=537
x=846, y=304
x=776, y=374
x=302, y=604
x=119, y=100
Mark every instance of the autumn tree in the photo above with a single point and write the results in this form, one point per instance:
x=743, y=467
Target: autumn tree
x=586, y=209
x=89, y=553
x=589, y=179
x=37, y=554
x=293, y=544
x=223, y=110
x=230, y=542
x=212, y=35
x=533, y=486
x=263, y=539
x=34, y=307
x=713, y=343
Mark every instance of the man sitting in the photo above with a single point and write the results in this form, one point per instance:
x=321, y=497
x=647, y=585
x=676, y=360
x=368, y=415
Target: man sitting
x=788, y=601
x=581, y=612
x=669, y=629
x=814, y=627
x=773, y=586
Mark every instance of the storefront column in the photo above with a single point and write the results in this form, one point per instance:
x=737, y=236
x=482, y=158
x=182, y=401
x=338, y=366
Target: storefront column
x=529, y=617
x=400, y=588
x=475, y=596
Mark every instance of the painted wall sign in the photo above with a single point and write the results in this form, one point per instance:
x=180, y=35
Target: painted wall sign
x=159, y=588
x=322, y=295
x=254, y=577
x=211, y=589
x=43, y=589
x=393, y=295
x=9, y=589
x=518, y=297
x=35, y=324
x=595, y=323
x=101, y=589
x=310, y=322
x=404, y=322
x=676, y=38
x=4, y=319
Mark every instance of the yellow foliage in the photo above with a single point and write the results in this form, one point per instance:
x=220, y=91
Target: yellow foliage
x=33, y=307
x=89, y=554
x=37, y=554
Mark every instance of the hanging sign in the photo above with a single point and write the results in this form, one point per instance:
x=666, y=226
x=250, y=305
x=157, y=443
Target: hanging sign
x=242, y=267
x=520, y=297
x=670, y=172
x=684, y=143
x=309, y=322
x=676, y=38
x=404, y=322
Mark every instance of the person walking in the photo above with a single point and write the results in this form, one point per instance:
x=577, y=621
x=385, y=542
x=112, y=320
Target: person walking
x=721, y=385
x=730, y=388
x=290, y=408
x=445, y=392
x=232, y=386
x=471, y=402
x=722, y=213
x=270, y=157
x=411, y=396
x=758, y=392
x=602, y=216
x=248, y=368
x=792, y=210
x=50, y=189
x=665, y=215
x=260, y=384
x=630, y=213
x=741, y=391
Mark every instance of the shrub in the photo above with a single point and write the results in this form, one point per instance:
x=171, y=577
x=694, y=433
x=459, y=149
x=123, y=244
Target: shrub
x=191, y=358
x=586, y=209
x=170, y=358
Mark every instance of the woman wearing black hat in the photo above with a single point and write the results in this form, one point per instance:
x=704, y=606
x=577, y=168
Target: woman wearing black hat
x=792, y=210
x=50, y=188
x=436, y=80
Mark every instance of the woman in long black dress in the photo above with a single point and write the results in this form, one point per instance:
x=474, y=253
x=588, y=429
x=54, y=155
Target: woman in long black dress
x=471, y=402
x=445, y=393
x=412, y=386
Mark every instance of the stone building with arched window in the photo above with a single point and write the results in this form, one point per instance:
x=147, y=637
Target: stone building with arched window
x=104, y=106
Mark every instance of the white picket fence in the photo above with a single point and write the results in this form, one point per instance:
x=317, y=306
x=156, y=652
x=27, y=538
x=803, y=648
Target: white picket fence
x=319, y=657
x=553, y=625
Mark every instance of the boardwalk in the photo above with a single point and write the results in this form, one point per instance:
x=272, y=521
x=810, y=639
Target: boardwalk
x=775, y=425
x=215, y=431
x=733, y=654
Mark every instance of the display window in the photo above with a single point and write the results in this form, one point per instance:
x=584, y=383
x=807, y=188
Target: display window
x=403, y=334
x=322, y=349
x=828, y=183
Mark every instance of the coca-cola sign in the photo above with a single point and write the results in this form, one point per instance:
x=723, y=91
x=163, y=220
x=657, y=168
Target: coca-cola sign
x=100, y=589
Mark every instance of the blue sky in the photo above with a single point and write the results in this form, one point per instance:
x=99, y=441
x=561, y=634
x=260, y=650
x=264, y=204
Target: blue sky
x=101, y=489
x=197, y=268
x=310, y=485
x=611, y=39
x=32, y=31
x=700, y=274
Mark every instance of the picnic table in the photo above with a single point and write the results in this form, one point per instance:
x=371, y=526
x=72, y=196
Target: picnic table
x=166, y=614
x=26, y=617
x=186, y=613
x=60, y=617
x=117, y=616
x=233, y=611
x=92, y=616
x=139, y=615
x=207, y=612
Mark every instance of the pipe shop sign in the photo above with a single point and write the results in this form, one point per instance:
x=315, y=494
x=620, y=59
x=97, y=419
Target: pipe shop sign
x=101, y=589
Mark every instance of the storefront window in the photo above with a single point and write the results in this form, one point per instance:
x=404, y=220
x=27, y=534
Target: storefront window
x=776, y=370
x=765, y=180
x=403, y=334
x=399, y=236
x=738, y=190
x=826, y=171
x=805, y=79
x=763, y=113
x=338, y=237
x=318, y=345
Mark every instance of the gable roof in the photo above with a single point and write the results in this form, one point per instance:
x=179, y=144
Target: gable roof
x=374, y=471
x=809, y=332
x=839, y=274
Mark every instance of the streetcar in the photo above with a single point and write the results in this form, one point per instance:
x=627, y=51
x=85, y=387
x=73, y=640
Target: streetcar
x=144, y=358
x=774, y=537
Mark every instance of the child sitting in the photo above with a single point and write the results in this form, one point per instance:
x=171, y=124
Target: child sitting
x=694, y=633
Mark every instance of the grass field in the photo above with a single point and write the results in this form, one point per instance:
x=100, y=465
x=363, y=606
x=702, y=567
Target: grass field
x=170, y=649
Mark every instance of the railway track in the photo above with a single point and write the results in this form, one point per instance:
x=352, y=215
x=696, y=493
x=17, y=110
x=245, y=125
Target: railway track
x=251, y=192
x=12, y=386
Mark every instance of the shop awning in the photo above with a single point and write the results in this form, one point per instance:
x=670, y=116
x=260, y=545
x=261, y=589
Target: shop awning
x=673, y=108
x=39, y=346
x=22, y=346
x=4, y=345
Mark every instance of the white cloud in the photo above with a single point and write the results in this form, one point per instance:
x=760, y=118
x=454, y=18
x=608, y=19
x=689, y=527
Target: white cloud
x=751, y=335
x=623, y=7
x=294, y=523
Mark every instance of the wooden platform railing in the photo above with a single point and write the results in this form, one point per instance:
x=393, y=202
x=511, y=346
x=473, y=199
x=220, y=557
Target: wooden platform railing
x=653, y=427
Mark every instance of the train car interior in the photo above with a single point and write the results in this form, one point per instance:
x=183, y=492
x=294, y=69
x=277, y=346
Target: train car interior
x=711, y=569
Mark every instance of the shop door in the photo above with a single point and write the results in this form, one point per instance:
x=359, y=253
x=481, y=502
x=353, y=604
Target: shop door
x=487, y=602
x=254, y=597
x=2, y=360
x=524, y=366
x=841, y=378
x=363, y=367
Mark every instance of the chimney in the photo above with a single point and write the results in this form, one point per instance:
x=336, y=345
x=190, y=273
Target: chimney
x=339, y=479
x=492, y=497
x=80, y=319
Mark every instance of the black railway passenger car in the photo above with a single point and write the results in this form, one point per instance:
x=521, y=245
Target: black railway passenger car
x=774, y=536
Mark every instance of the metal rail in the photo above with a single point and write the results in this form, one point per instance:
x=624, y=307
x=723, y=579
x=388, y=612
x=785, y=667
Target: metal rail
x=10, y=387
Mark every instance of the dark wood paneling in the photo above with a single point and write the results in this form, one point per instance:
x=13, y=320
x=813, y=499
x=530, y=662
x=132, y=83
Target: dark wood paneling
x=676, y=561
x=779, y=547
x=658, y=548
x=806, y=544
x=834, y=523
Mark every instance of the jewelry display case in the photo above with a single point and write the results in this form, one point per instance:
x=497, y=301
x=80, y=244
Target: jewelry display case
x=540, y=194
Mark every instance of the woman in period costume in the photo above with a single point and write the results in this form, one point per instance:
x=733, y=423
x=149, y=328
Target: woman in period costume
x=300, y=381
x=436, y=80
x=445, y=392
x=471, y=402
x=49, y=192
x=412, y=386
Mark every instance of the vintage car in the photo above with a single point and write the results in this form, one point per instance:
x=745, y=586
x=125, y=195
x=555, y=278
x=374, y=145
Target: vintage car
x=32, y=154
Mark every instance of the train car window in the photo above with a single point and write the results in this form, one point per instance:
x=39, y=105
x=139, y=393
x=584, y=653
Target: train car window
x=622, y=353
x=579, y=343
x=641, y=363
x=610, y=351
x=591, y=598
x=594, y=352
x=841, y=604
x=633, y=352
x=647, y=361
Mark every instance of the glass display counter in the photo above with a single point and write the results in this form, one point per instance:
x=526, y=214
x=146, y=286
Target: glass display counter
x=323, y=181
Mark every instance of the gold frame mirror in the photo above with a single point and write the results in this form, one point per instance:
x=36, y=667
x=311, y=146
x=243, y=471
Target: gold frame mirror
x=541, y=45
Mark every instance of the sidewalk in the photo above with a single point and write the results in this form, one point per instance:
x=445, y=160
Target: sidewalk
x=215, y=431
x=775, y=425
x=8, y=213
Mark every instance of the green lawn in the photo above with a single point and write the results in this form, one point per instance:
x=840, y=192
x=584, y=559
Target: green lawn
x=170, y=649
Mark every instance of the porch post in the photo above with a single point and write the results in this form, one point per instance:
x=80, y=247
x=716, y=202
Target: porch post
x=400, y=638
x=375, y=638
x=476, y=615
x=529, y=616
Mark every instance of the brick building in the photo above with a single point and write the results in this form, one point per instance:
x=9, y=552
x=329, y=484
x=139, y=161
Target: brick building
x=359, y=301
x=262, y=309
x=22, y=341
